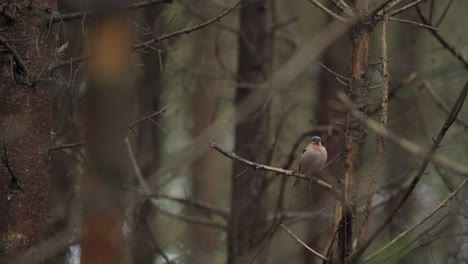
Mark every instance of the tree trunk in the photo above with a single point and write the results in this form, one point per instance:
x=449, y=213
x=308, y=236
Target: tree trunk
x=25, y=119
x=255, y=67
x=148, y=90
x=355, y=133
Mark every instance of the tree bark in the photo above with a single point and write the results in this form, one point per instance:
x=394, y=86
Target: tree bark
x=355, y=133
x=25, y=119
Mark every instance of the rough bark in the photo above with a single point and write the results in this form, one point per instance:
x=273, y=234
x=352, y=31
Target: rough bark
x=254, y=66
x=355, y=132
x=24, y=124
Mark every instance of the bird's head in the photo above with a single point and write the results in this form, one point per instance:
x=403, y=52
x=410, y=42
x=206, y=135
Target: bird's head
x=316, y=140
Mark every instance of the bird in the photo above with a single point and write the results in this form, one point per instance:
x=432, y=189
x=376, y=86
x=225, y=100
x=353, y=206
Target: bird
x=313, y=158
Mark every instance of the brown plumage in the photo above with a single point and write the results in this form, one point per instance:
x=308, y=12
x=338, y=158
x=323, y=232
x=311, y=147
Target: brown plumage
x=313, y=158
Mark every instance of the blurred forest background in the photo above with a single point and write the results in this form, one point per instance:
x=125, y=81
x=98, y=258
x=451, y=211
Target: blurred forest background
x=119, y=120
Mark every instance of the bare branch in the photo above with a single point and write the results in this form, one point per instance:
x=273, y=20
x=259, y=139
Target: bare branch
x=15, y=54
x=129, y=127
x=455, y=52
x=406, y=7
x=327, y=11
x=428, y=156
x=441, y=103
x=304, y=244
x=413, y=23
x=420, y=222
x=150, y=42
x=77, y=15
x=289, y=173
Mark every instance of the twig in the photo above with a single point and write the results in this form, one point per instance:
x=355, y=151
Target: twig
x=422, y=221
x=77, y=15
x=413, y=23
x=327, y=11
x=193, y=220
x=15, y=54
x=455, y=52
x=339, y=76
x=428, y=156
x=196, y=204
x=393, y=92
x=406, y=7
x=145, y=44
x=304, y=244
x=380, y=8
x=444, y=13
x=380, y=139
x=290, y=173
x=343, y=6
x=441, y=103
x=129, y=127
x=148, y=192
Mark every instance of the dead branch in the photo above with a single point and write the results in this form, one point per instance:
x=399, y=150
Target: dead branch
x=455, y=52
x=420, y=222
x=290, y=173
x=77, y=15
x=304, y=244
x=83, y=143
x=428, y=156
x=150, y=42
x=327, y=11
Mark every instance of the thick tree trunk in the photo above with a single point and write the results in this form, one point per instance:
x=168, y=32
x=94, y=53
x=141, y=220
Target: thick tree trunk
x=255, y=66
x=25, y=120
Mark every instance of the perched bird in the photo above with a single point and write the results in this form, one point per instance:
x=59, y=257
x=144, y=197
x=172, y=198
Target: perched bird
x=313, y=158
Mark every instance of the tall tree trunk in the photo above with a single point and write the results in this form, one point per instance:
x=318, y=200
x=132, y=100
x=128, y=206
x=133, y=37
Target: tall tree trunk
x=254, y=66
x=25, y=120
x=355, y=134
x=149, y=137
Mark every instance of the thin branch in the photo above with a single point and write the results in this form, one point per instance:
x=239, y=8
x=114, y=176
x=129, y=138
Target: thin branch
x=380, y=139
x=413, y=23
x=148, y=192
x=327, y=11
x=455, y=52
x=380, y=8
x=196, y=204
x=428, y=156
x=304, y=244
x=15, y=54
x=289, y=173
x=339, y=76
x=145, y=44
x=77, y=15
x=193, y=220
x=420, y=222
x=444, y=13
x=129, y=127
x=343, y=6
x=441, y=103
x=406, y=7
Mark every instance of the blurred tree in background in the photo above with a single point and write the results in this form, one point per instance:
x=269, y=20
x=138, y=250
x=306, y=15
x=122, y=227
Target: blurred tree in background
x=169, y=131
